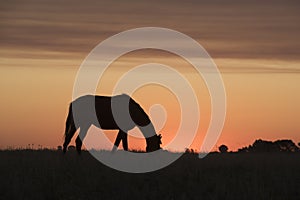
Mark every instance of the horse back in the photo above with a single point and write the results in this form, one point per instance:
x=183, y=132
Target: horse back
x=109, y=109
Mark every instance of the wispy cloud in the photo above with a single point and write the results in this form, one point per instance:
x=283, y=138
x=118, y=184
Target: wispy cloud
x=231, y=30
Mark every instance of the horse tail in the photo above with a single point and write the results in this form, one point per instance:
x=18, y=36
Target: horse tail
x=70, y=121
x=70, y=129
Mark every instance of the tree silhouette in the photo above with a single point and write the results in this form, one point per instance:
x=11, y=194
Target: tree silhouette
x=286, y=145
x=269, y=146
x=263, y=146
x=223, y=148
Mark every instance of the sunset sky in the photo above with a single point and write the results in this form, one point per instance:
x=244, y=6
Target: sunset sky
x=255, y=45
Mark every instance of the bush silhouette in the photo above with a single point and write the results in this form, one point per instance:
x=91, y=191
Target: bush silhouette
x=223, y=148
x=71, y=148
x=269, y=146
x=191, y=151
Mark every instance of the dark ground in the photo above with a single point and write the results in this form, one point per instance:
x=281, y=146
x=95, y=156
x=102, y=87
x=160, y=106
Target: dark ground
x=45, y=174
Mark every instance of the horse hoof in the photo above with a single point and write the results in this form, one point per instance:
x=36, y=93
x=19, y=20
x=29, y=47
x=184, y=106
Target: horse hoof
x=79, y=152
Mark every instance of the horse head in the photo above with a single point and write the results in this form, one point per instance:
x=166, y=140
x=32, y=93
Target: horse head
x=153, y=143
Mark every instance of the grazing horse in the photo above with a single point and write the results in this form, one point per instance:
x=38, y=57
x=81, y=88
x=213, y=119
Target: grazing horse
x=119, y=112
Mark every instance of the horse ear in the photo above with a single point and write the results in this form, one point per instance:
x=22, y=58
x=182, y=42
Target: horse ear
x=159, y=137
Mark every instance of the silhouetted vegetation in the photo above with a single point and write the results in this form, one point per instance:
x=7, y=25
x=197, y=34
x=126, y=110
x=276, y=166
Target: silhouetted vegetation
x=71, y=148
x=268, y=146
x=48, y=174
x=191, y=151
x=223, y=148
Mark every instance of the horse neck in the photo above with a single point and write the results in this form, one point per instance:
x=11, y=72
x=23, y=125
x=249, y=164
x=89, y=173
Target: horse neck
x=148, y=131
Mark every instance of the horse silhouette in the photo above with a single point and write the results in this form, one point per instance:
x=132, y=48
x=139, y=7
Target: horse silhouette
x=119, y=112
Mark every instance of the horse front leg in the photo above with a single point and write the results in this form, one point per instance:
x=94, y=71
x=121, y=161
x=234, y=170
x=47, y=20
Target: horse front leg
x=121, y=136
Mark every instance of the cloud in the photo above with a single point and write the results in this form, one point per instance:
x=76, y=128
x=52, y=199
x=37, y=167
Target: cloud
x=235, y=30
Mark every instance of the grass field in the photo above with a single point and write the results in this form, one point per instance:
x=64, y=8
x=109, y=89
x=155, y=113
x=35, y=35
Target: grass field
x=45, y=174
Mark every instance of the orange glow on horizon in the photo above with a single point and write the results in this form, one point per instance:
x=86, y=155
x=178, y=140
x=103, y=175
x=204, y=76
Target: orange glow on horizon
x=39, y=105
x=256, y=50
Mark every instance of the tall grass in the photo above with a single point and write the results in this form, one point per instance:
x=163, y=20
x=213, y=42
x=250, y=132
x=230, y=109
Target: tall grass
x=48, y=174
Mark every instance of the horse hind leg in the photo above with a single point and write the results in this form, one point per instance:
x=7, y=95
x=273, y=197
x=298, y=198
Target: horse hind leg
x=70, y=131
x=80, y=138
